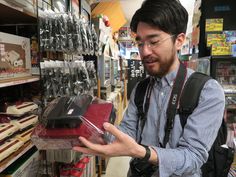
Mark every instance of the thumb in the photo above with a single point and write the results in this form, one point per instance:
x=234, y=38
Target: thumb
x=113, y=130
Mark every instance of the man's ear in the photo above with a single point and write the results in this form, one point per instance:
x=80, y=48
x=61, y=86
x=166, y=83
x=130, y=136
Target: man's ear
x=180, y=40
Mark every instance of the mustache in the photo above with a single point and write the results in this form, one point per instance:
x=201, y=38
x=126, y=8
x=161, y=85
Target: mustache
x=149, y=60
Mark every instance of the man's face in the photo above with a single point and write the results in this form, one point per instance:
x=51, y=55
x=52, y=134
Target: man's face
x=157, y=50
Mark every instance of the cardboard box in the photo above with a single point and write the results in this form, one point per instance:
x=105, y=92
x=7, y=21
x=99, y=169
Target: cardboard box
x=15, y=59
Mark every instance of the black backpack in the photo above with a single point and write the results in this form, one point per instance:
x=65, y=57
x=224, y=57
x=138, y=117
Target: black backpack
x=220, y=158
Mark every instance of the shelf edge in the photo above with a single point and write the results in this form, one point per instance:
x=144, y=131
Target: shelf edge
x=18, y=81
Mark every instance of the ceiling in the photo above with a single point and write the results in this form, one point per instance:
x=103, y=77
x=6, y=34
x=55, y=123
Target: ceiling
x=129, y=7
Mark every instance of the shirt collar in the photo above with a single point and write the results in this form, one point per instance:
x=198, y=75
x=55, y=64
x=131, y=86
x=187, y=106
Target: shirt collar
x=167, y=79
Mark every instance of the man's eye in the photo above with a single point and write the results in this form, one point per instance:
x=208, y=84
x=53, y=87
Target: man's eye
x=140, y=44
x=154, y=42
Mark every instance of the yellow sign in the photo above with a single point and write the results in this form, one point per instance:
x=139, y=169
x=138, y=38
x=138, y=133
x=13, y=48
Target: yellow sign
x=214, y=24
x=215, y=39
x=223, y=49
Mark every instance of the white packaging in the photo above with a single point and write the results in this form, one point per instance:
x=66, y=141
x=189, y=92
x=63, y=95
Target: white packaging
x=15, y=58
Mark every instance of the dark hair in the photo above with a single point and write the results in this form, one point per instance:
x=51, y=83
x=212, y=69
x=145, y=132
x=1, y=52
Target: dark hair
x=168, y=15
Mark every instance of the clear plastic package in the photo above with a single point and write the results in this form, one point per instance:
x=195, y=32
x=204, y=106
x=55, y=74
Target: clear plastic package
x=65, y=119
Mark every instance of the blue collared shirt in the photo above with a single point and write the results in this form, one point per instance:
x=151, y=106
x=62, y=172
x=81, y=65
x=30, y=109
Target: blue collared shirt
x=187, y=149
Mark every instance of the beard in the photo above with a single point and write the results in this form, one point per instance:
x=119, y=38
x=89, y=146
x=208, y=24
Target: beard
x=164, y=65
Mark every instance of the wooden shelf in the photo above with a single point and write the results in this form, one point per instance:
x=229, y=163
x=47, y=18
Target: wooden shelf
x=13, y=157
x=15, y=15
x=18, y=81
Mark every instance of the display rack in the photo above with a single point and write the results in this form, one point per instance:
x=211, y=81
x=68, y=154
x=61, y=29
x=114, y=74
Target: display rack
x=18, y=81
x=17, y=154
x=14, y=20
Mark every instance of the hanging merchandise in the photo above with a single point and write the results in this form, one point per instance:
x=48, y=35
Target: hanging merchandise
x=76, y=83
x=66, y=33
x=91, y=73
x=95, y=40
x=77, y=40
x=42, y=33
x=84, y=37
x=90, y=40
x=52, y=35
x=67, y=78
x=69, y=34
x=61, y=33
x=84, y=77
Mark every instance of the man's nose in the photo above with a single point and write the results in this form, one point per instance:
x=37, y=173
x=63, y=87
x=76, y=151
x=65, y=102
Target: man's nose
x=145, y=50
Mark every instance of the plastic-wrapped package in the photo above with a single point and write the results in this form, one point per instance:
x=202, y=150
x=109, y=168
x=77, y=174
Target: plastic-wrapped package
x=67, y=118
x=77, y=40
x=41, y=32
x=66, y=33
x=85, y=77
x=46, y=33
x=69, y=34
x=52, y=28
x=95, y=40
x=64, y=43
x=90, y=39
x=77, y=84
x=92, y=73
x=58, y=31
x=84, y=38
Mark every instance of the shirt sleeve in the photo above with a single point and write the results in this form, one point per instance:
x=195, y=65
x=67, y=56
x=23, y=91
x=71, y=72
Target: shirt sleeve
x=198, y=135
x=129, y=122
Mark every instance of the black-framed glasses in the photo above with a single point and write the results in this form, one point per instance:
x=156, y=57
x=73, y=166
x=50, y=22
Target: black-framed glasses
x=152, y=44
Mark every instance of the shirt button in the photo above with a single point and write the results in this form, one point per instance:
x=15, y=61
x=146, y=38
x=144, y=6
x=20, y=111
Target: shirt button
x=162, y=93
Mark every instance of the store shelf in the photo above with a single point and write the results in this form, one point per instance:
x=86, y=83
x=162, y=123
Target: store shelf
x=18, y=81
x=224, y=57
x=13, y=157
x=15, y=15
x=229, y=89
x=231, y=107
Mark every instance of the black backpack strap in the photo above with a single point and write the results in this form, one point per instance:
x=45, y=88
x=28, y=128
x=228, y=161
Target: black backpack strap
x=140, y=94
x=143, y=88
x=190, y=95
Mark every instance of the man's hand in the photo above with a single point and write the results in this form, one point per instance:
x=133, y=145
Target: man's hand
x=124, y=145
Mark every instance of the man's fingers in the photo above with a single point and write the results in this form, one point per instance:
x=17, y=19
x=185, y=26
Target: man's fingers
x=94, y=147
x=83, y=150
x=86, y=142
x=86, y=151
x=113, y=130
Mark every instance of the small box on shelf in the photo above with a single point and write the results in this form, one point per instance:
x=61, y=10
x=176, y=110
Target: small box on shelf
x=15, y=60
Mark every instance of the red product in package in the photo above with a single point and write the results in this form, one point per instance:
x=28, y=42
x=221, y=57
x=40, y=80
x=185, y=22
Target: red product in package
x=88, y=124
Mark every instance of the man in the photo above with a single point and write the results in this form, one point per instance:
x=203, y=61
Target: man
x=160, y=27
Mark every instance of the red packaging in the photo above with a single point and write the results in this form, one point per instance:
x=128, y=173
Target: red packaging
x=90, y=127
